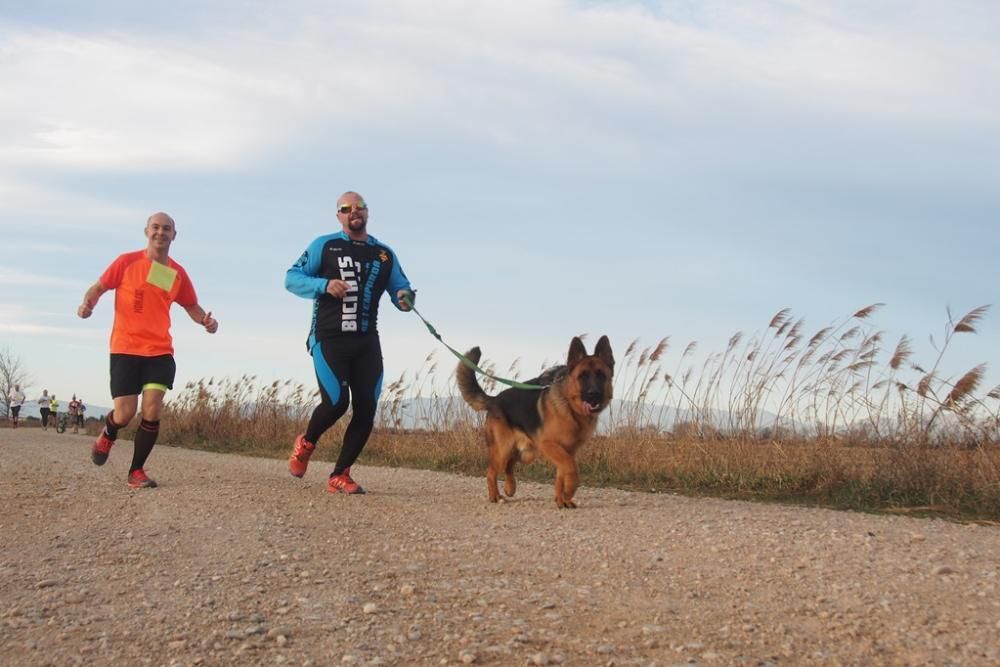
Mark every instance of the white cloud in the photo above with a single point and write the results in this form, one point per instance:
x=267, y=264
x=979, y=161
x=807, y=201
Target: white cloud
x=12, y=277
x=15, y=247
x=20, y=320
x=24, y=201
x=506, y=74
x=116, y=101
x=48, y=330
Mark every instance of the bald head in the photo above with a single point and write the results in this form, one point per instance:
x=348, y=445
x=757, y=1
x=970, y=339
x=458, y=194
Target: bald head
x=350, y=196
x=160, y=218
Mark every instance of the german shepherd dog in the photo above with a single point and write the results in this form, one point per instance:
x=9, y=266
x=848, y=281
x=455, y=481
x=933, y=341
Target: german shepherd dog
x=555, y=421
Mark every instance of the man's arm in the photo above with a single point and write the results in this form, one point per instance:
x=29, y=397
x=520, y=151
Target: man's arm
x=198, y=314
x=401, y=293
x=303, y=279
x=90, y=298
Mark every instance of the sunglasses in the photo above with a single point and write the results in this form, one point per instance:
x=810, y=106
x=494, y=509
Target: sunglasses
x=347, y=208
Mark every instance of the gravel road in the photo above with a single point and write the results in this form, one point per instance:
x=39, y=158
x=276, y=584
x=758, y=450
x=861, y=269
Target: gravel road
x=232, y=561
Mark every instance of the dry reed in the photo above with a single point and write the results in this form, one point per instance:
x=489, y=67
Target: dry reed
x=831, y=418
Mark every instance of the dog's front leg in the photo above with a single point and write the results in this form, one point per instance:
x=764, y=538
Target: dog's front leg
x=491, y=484
x=566, y=473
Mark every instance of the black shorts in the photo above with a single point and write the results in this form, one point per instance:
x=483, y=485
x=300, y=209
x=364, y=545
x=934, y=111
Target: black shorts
x=15, y=410
x=130, y=373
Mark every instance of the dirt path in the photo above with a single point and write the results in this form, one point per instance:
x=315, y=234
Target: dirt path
x=231, y=561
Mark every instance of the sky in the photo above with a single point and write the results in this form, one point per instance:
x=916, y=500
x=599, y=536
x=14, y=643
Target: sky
x=542, y=169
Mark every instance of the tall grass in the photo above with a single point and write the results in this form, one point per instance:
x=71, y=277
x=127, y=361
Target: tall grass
x=835, y=416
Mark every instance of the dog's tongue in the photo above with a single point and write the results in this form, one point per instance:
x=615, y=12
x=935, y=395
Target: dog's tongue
x=588, y=408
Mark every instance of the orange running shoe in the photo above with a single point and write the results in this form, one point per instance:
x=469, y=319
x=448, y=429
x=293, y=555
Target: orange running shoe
x=343, y=483
x=299, y=460
x=137, y=479
x=101, y=448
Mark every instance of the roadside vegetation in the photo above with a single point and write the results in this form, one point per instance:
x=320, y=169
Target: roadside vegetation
x=837, y=417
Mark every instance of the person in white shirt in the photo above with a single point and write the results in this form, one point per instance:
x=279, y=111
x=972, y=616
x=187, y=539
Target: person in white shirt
x=44, y=401
x=15, y=400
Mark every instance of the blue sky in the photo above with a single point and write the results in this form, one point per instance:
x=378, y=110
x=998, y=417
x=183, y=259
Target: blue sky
x=542, y=169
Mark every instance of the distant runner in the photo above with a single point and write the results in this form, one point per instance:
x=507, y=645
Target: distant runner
x=74, y=413
x=43, y=408
x=15, y=400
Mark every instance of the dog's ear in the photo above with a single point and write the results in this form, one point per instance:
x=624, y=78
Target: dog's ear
x=576, y=352
x=603, y=351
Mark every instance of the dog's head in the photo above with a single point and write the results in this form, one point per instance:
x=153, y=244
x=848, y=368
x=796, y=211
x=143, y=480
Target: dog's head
x=588, y=376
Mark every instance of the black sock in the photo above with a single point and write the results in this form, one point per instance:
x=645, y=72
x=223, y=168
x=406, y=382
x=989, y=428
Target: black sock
x=110, y=427
x=145, y=438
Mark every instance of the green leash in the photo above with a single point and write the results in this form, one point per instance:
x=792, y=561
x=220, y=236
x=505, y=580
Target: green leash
x=464, y=359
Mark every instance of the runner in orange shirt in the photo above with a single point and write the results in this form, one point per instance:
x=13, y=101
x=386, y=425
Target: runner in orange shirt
x=146, y=283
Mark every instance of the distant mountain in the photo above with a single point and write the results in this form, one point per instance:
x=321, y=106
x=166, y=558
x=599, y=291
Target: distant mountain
x=445, y=410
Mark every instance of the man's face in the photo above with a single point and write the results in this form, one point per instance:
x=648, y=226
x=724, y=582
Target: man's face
x=352, y=212
x=160, y=232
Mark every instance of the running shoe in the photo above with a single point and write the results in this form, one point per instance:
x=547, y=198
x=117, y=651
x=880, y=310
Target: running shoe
x=102, y=447
x=299, y=460
x=137, y=479
x=343, y=483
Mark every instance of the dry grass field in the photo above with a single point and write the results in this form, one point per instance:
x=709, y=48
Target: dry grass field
x=833, y=419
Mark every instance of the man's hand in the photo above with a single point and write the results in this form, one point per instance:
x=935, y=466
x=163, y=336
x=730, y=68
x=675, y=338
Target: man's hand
x=337, y=288
x=210, y=323
x=84, y=311
x=405, y=298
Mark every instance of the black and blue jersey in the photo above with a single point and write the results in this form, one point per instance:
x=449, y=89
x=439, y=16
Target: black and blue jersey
x=368, y=267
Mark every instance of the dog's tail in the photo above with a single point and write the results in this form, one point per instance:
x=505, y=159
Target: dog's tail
x=469, y=385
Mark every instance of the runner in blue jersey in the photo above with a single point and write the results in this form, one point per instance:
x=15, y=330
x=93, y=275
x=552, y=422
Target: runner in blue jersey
x=345, y=275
